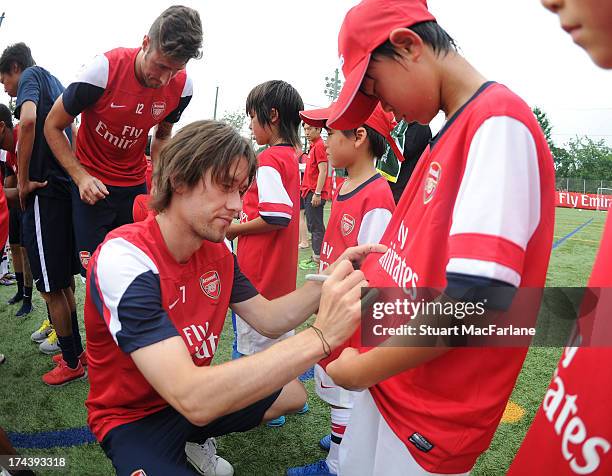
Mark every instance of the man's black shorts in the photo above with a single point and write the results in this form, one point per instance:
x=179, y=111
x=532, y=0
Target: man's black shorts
x=48, y=238
x=155, y=444
x=93, y=222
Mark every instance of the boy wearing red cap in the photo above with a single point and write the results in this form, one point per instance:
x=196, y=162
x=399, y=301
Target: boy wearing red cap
x=572, y=431
x=478, y=213
x=360, y=213
x=314, y=192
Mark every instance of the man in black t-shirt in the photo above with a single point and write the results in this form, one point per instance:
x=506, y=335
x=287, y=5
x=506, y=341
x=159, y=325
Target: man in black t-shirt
x=417, y=138
x=44, y=195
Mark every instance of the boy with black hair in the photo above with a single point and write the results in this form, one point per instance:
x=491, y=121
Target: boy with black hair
x=44, y=195
x=315, y=193
x=23, y=275
x=360, y=213
x=269, y=221
x=478, y=215
x=572, y=430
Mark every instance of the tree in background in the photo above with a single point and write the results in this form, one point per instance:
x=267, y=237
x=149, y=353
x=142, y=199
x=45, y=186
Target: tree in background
x=582, y=157
x=564, y=166
x=589, y=159
x=545, y=124
x=236, y=119
x=561, y=157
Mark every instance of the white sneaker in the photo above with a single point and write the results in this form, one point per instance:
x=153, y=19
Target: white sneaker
x=205, y=460
x=50, y=345
x=40, y=334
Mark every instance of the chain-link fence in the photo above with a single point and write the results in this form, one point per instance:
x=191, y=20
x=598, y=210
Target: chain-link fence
x=602, y=187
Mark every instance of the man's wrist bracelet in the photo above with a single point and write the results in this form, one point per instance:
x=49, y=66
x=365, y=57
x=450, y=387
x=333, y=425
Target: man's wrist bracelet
x=326, y=346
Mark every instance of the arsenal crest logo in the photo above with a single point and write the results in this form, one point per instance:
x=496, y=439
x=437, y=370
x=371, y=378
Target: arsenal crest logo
x=211, y=284
x=431, y=181
x=157, y=109
x=84, y=257
x=139, y=472
x=347, y=224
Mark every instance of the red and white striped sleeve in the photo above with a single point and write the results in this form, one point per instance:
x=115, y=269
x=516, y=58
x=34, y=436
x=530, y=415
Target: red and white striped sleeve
x=498, y=205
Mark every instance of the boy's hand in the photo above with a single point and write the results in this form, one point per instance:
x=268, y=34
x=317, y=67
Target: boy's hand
x=26, y=188
x=342, y=369
x=316, y=200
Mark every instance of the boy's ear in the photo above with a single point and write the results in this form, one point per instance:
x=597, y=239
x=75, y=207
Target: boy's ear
x=361, y=136
x=274, y=116
x=407, y=41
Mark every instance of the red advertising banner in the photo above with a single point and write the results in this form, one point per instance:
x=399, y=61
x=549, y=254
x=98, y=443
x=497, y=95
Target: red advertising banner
x=585, y=201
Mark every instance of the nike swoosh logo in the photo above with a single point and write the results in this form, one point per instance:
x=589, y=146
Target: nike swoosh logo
x=174, y=303
x=115, y=106
x=325, y=386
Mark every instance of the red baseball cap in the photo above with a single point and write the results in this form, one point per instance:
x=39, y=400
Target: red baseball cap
x=366, y=27
x=379, y=120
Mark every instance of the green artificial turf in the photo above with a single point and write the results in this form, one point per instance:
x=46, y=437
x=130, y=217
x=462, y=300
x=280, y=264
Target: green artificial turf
x=27, y=405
